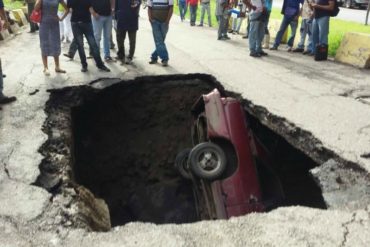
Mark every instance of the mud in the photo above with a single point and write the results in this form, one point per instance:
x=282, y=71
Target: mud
x=125, y=142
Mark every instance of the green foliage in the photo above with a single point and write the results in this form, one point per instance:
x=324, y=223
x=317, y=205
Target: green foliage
x=13, y=4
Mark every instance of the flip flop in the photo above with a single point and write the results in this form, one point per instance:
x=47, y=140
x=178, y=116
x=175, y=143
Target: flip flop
x=60, y=71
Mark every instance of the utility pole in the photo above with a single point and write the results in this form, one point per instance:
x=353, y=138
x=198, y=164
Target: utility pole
x=367, y=13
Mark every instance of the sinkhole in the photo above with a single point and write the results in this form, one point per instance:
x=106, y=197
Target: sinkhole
x=124, y=140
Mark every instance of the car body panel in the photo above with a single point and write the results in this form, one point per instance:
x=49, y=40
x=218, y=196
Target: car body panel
x=239, y=193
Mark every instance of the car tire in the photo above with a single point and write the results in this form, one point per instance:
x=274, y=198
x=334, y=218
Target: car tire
x=181, y=163
x=207, y=161
x=348, y=4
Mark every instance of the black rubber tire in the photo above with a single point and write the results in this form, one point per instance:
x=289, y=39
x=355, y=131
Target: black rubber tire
x=210, y=154
x=181, y=163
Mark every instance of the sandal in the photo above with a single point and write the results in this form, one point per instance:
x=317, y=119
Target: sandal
x=60, y=71
x=46, y=72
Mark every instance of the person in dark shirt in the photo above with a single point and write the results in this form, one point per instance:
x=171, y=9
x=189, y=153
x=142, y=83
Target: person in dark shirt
x=102, y=22
x=291, y=11
x=127, y=16
x=81, y=25
x=320, y=25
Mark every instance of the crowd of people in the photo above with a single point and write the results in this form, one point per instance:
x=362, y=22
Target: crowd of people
x=230, y=14
x=72, y=20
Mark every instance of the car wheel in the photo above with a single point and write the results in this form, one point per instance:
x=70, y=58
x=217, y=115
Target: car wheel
x=181, y=163
x=207, y=161
x=348, y=4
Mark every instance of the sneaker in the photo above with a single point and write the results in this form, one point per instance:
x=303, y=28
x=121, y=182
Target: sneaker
x=7, y=100
x=306, y=52
x=226, y=37
x=164, y=63
x=129, y=60
x=84, y=69
x=153, y=61
x=200, y=25
x=298, y=50
x=245, y=37
x=254, y=54
x=262, y=53
x=68, y=55
x=274, y=48
x=104, y=68
x=108, y=59
x=289, y=49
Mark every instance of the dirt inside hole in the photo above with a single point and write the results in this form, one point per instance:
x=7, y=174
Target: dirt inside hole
x=124, y=142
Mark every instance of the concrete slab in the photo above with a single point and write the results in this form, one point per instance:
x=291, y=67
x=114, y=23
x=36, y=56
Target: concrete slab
x=354, y=50
x=21, y=201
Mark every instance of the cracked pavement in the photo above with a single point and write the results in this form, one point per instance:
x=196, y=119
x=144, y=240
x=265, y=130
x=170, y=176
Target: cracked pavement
x=322, y=101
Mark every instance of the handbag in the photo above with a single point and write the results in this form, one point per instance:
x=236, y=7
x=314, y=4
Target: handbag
x=36, y=16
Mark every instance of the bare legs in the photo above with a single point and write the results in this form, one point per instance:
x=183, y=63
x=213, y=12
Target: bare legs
x=57, y=65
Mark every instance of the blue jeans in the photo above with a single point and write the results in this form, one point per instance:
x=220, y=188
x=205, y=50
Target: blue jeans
x=236, y=24
x=306, y=29
x=320, y=31
x=160, y=30
x=222, y=26
x=103, y=23
x=80, y=29
x=287, y=20
x=193, y=13
x=183, y=7
x=256, y=33
x=205, y=8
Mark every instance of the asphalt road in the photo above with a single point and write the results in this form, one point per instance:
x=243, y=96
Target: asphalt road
x=355, y=15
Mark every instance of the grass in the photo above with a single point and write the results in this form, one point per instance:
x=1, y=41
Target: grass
x=13, y=4
x=337, y=27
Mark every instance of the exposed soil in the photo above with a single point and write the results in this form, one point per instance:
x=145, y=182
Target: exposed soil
x=121, y=142
x=126, y=140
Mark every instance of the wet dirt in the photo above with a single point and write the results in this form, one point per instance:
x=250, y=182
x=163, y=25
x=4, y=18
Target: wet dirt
x=125, y=142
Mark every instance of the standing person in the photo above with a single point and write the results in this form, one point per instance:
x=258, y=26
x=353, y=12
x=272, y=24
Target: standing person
x=49, y=32
x=320, y=25
x=206, y=7
x=102, y=22
x=30, y=6
x=3, y=99
x=257, y=18
x=306, y=29
x=127, y=16
x=237, y=22
x=160, y=13
x=290, y=11
x=183, y=7
x=81, y=26
x=268, y=4
x=222, y=7
x=65, y=25
x=193, y=7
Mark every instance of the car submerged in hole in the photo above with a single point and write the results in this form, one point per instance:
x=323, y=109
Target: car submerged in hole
x=231, y=171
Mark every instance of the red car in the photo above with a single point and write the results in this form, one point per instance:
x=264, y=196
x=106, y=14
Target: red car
x=227, y=161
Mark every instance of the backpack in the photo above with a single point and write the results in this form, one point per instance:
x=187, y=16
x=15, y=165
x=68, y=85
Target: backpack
x=335, y=11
